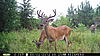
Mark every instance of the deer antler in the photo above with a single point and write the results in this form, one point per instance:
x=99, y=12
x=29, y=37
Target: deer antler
x=53, y=15
x=42, y=15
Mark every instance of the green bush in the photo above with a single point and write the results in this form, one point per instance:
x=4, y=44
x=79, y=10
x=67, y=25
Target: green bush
x=34, y=22
x=4, y=42
x=62, y=21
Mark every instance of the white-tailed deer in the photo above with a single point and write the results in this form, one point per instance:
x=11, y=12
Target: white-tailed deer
x=53, y=34
x=94, y=26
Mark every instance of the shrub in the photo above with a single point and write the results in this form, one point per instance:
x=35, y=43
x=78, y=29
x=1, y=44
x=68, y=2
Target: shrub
x=62, y=21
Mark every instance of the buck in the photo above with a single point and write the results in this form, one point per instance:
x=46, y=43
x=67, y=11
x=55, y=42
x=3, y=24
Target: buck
x=53, y=34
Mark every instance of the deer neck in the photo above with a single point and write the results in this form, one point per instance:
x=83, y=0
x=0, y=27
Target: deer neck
x=42, y=36
x=46, y=30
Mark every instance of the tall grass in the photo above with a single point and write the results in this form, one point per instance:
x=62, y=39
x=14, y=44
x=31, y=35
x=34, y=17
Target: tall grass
x=83, y=41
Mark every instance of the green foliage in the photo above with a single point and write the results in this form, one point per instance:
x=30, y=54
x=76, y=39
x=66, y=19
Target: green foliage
x=81, y=25
x=97, y=13
x=87, y=41
x=9, y=19
x=62, y=21
x=4, y=45
x=34, y=22
x=83, y=41
x=73, y=16
x=84, y=13
x=71, y=11
x=26, y=13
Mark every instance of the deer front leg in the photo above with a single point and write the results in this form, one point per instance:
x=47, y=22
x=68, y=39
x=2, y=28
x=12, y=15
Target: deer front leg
x=55, y=45
x=50, y=43
x=66, y=41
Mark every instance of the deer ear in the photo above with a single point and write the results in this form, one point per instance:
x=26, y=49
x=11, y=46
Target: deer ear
x=50, y=20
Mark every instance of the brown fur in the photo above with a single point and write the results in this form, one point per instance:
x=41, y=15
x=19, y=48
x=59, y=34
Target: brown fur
x=55, y=34
x=52, y=33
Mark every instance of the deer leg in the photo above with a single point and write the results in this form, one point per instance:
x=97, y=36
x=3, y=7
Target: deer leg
x=55, y=45
x=50, y=43
x=48, y=46
x=66, y=41
x=66, y=38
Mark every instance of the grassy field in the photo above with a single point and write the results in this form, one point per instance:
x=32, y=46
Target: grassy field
x=83, y=41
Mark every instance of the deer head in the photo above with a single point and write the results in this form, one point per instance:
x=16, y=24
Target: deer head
x=45, y=20
x=37, y=43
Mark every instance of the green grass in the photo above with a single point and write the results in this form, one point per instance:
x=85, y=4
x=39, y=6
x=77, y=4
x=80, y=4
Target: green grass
x=83, y=41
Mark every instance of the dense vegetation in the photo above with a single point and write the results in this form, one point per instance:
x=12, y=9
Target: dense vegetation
x=84, y=13
x=16, y=21
x=21, y=42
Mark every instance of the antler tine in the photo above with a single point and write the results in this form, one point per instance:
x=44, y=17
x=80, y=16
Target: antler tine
x=54, y=10
x=38, y=13
x=53, y=15
x=44, y=15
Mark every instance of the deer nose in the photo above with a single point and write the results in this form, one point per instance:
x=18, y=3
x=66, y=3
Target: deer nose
x=41, y=25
